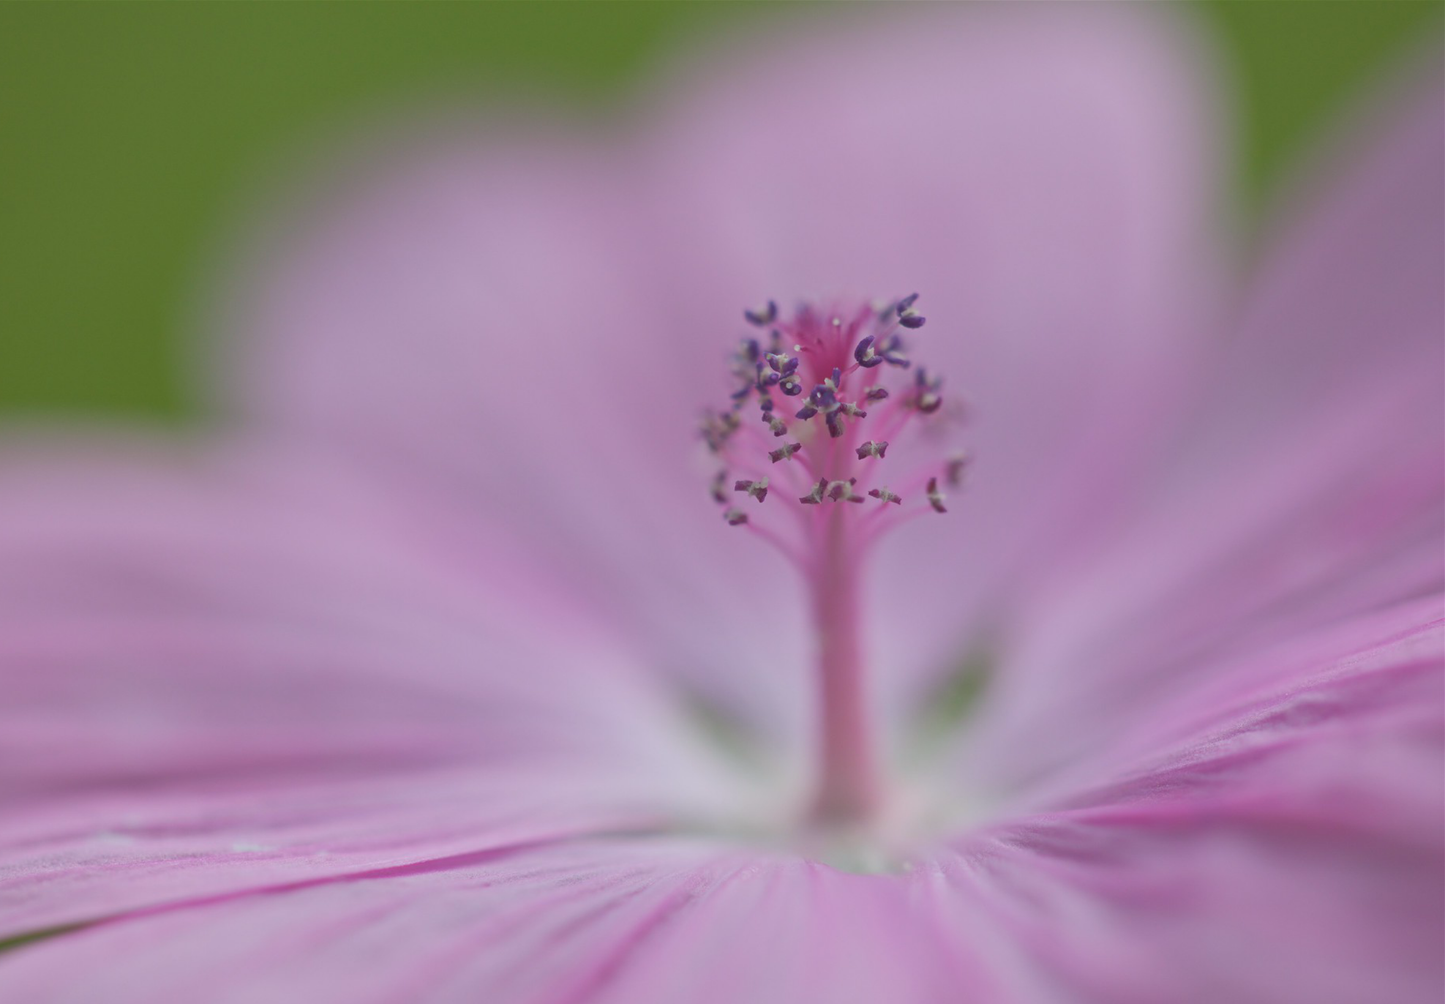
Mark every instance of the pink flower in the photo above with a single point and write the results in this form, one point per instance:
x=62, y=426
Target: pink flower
x=438, y=677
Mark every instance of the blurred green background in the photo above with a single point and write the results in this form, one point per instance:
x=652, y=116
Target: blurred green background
x=129, y=134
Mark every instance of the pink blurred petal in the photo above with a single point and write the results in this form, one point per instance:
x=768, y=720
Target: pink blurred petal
x=201, y=653
x=1046, y=178
x=1311, y=488
x=513, y=924
x=472, y=317
x=1288, y=846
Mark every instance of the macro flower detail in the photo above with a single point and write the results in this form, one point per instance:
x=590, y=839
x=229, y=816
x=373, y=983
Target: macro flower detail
x=840, y=352
x=430, y=673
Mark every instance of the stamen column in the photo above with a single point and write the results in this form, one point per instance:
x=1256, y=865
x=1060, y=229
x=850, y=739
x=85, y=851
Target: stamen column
x=849, y=785
x=823, y=452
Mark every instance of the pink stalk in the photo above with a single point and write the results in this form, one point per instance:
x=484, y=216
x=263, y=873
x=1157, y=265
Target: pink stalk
x=848, y=783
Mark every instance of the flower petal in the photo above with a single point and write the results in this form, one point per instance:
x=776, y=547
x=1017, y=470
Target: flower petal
x=1288, y=847
x=627, y=921
x=1046, y=176
x=204, y=658
x=477, y=323
x=1311, y=487
x=530, y=331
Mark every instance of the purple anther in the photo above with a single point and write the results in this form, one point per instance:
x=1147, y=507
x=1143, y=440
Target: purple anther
x=864, y=355
x=926, y=398
x=822, y=396
x=872, y=449
x=834, y=420
x=757, y=489
x=884, y=495
x=782, y=363
x=806, y=412
x=852, y=409
x=875, y=394
x=751, y=352
x=776, y=424
x=815, y=497
x=716, y=428
x=791, y=386
x=935, y=497
x=719, y=487
x=735, y=517
x=762, y=318
x=892, y=352
x=784, y=452
x=953, y=471
x=836, y=380
x=907, y=316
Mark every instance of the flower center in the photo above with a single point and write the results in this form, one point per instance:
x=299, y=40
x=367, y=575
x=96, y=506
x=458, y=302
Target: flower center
x=830, y=442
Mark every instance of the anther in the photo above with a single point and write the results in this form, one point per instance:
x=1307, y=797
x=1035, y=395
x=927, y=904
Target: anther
x=782, y=363
x=892, y=352
x=842, y=491
x=926, y=397
x=864, y=355
x=784, y=452
x=935, y=497
x=762, y=317
x=875, y=394
x=884, y=495
x=717, y=427
x=719, y=487
x=872, y=449
x=815, y=497
x=735, y=517
x=757, y=489
x=907, y=316
x=953, y=470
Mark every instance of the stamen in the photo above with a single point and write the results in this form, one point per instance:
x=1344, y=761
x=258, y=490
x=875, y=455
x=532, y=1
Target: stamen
x=934, y=496
x=815, y=497
x=763, y=317
x=757, y=489
x=858, y=414
x=953, y=472
x=907, y=316
x=842, y=491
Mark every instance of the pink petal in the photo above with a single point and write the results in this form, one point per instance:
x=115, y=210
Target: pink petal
x=513, y=924
x=1310, y=488
x=1045, y=177
x=529, y=328
x=206, y=656
x=625, y=921
x=1288, y=848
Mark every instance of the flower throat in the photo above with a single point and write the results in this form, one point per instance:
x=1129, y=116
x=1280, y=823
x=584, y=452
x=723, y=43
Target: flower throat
x=822, y=398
